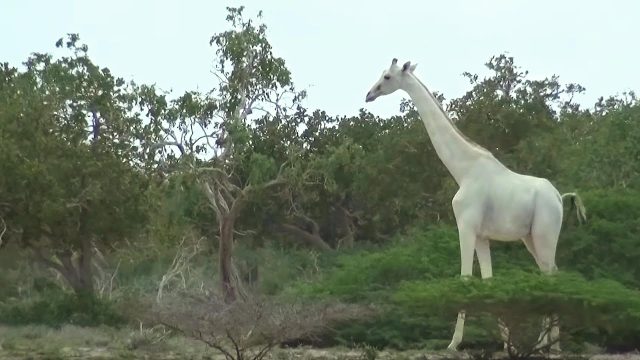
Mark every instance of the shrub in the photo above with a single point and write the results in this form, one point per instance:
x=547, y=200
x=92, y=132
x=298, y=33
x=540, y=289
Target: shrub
x=597, y=307
x=55, y=308
x=603, y=250
x=370, y=273
x=425, y=253
x=606, y=246
x=252, y=327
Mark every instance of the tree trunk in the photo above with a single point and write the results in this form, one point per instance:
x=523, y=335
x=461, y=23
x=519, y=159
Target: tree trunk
x=83, y=285
x=85, y=271
x=78, y=275
x=220, y=196
x=225, y=261
x=345, y=227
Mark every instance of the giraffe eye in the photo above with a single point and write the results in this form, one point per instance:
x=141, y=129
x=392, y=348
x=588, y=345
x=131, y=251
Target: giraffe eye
x=387, y=77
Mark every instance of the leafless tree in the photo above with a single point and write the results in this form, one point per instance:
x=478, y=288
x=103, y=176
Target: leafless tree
x=251, y=328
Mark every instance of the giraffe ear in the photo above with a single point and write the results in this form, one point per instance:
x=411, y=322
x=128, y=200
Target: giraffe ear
x=408, y=67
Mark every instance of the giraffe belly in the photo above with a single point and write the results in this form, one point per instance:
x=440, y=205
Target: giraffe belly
x=508, y=224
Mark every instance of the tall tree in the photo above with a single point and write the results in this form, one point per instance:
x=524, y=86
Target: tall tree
x=212, y=132
x=73, y=173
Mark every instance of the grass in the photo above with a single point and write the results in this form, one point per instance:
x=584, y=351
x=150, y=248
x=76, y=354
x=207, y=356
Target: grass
x=69, y=341
x=74, y=342
x=41, y=342
x=365, y=275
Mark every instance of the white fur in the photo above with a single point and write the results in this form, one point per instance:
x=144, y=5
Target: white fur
x=492, y=201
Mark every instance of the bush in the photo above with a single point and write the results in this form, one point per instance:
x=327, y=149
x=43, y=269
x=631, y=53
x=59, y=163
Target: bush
x=398, y=328
x=252, y=327
x=426, y=253
x=582, y=301
x=55, y=308
x=602, y=311
x=597, y=259
x=606, y=246
x=369, y=274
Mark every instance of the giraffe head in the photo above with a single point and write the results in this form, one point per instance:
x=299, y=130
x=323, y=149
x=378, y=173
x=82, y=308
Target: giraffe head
x=391, y=80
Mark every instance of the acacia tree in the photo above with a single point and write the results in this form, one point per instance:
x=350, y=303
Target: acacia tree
x=73, y=173
x=211, y=132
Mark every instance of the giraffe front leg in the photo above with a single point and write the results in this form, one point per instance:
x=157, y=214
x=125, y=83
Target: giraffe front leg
x=554, y=334
x=457, y=333
x=467, y=246
x=483, y=252
x=543, y=338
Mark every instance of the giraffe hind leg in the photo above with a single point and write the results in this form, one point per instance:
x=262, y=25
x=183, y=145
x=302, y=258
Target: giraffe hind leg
x=545, y=232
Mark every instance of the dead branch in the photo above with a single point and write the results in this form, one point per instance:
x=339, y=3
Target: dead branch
x=249, y=329
x=4, y=230
x=179, y=265
x=530, y=348
x=212, y=199
x=104, y=281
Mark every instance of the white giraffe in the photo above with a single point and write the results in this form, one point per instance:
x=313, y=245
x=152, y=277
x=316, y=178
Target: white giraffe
x=492, y=202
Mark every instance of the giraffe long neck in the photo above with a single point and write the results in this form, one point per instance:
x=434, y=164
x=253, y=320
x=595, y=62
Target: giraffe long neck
x=455, y=150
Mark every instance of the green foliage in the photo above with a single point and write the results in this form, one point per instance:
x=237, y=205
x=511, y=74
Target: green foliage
x=415, y=281
x=580, y=301
x=263, y=169
x=245, y=44
x=606, y=153
x=606, y=246
x=424, y=253
x=181, y=210
x=280, y=268
x=81, y=153
x=55, y=308
x=599, y=311
x=71, y=158
x=421, y=254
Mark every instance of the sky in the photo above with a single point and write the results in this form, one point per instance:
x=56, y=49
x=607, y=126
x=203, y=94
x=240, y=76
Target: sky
x=338, y=49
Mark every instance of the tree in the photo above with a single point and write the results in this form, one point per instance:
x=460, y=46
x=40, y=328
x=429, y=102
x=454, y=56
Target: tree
x=212, y=132
x=74, y=170
x=251, y=329
x=604, y=148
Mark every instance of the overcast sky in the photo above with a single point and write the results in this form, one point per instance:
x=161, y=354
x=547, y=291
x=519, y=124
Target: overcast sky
x=337, y=49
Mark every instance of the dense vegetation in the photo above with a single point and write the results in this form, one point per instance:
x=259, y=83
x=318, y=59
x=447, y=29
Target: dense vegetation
x=110, y=190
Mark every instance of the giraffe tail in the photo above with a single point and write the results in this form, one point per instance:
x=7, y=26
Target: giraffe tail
x=576, y=201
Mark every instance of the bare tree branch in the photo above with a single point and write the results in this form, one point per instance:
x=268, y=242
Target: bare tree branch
x=4, y=230
x=249, y=329
x=212, y=199
x=179, y=265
